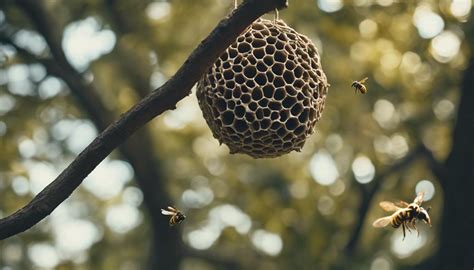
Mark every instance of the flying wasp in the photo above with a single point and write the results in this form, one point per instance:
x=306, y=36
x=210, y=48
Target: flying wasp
x=176, y=215
x=360, y=85
x=405, y=214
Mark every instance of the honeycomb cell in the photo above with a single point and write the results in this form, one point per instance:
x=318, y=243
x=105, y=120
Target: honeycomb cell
x=274, y=105
x=289, y=77
x=259, y=53
x=232, y=54
x=288, y=102
x=268, y=60
x=237, y=68
x=263, y=102
x=270, y=76
x=246, y=98
x=291, y=124
x=265, y=93
x=275, y=125
x=265, y=123
x=290, y=65
x=240, y=125
x=261, y=67
x=278, y=68
x=250, y=83
x=256, y=125
x=231, y=105
x=244, y=47
x=227, y=118
x=250, y=117
x=268, y=91
x=253, y=105
x=230, y=84
x=221, y=105
x=279, y=94
x=237, y=92
x=257, y=94
x=280, y=56
x=250, y=72
x=261, y=79
x=239, y=111
x=296, y=109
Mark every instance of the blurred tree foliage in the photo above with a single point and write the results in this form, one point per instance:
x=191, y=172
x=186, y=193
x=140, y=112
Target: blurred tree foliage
x=308, y=210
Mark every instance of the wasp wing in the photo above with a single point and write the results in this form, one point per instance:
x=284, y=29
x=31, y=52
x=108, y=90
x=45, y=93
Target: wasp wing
x=419, y=199
x=166, y=212
x=402, y=204
x=389, y=206
x=382, y=222
x=363, y=80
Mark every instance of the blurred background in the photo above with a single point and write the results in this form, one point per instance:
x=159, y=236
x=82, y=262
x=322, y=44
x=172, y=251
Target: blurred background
x=70, y=68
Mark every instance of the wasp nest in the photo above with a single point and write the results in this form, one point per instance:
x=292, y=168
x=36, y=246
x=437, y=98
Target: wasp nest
x=266, y=92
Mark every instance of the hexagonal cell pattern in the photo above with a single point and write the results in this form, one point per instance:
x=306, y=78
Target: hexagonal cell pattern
x=266, y=92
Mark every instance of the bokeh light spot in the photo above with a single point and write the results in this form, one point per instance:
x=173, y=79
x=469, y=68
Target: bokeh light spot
x=108, y=179
x=445, y=46
x=20, y=185
x=330, y=5
x=269, y=243
x=443, y=109
x=404, y=248
x=158, y=10
x=43, y=255
x=368, y=28
x=364, y=170
x=85, y=41
x=428, y=23
x=74, y=236
x=123, y=218
x=461, y=8
x=380, y=263
x=427, y=187
x=326, y=205
x=323, y=168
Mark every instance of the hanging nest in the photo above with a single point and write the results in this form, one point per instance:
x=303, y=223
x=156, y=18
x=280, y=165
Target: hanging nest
x=266, y=92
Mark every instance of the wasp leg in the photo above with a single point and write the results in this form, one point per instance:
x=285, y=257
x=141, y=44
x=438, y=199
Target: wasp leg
x=414, y=226
x=403, y=227
x=407, y=224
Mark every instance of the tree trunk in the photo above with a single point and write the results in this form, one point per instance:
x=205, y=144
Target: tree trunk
x=456, y=243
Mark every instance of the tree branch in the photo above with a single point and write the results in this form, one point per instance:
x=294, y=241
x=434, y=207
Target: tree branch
x=438, y=168
x=160, y=100
x=368, y=194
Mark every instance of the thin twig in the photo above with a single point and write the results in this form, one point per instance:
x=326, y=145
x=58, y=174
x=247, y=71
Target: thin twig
x=160, y=100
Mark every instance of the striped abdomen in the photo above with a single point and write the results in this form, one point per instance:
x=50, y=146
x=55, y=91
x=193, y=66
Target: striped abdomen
x=400, y=217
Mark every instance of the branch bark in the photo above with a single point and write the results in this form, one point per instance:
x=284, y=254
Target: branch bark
x=160, y=100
